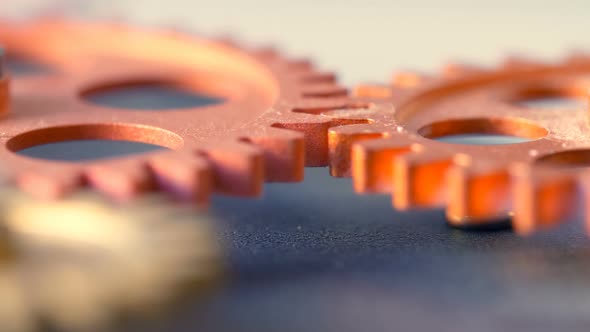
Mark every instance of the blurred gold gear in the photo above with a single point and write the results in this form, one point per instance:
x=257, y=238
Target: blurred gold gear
x=78, y=264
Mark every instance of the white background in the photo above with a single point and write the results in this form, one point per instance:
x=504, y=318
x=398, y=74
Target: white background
x=361, y=40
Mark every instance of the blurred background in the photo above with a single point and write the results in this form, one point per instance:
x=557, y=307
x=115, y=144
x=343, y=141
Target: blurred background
x=361, y=40
x=316, y=257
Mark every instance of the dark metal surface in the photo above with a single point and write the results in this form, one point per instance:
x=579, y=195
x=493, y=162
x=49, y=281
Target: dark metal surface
x=316, y=257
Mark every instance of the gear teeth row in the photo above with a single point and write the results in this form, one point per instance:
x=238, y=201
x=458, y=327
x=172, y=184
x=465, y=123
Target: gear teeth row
x=234, y=168
x=386, y=155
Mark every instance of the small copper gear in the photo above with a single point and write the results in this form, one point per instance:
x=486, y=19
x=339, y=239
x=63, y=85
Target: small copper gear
x=396, y=150
x=231, y=148
x=81, y=263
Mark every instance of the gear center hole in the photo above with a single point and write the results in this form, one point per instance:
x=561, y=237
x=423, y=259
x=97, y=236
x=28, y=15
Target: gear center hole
x=552, y=99
x=150, y=96
x=21, y=65
x=483, y=131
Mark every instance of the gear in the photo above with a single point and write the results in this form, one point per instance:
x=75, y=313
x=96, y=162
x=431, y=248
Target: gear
x=233, y=147
x=80, y=263
x=396, y=151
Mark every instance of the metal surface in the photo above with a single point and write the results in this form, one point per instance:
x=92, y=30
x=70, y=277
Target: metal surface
x=536, y=180
x=231, y=147
x=317, y=257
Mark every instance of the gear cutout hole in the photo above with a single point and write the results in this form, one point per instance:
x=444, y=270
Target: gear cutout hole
x=150, y=96
x=579, y=158
x=573, y=98
x=483, y=131
x=22, y=65
x=81, y=143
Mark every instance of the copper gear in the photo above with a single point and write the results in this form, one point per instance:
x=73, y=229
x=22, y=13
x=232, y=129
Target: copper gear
x=231, y=148
x=395, y=150
x=81, y=263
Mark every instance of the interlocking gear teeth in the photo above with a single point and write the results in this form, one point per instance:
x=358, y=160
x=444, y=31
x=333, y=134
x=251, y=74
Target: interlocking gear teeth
x=395, y=150
x=257, y=135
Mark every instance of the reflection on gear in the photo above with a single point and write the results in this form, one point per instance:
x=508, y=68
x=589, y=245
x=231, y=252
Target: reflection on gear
x=396, y=150
x=79, y=264
x=232, y=147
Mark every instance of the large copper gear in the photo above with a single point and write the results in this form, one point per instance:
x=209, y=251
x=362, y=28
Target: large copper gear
x=81, y=263
x=395, y=151
x=255, y=135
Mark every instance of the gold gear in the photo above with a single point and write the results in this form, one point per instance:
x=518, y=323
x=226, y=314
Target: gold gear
x=78, y=263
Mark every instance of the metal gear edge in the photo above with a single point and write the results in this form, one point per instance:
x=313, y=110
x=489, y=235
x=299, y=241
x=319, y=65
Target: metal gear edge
x=537, y=183
x=258, y=134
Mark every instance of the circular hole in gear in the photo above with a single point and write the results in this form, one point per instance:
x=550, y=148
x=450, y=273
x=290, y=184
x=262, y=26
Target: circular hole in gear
x=149, y=96
x=92, y=142
x=87, y=150
x=552, y=99
x=483, y=131
x=567, y=159
x=18, y=65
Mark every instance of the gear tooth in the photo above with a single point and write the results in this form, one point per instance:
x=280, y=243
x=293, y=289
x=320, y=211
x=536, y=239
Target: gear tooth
x=228, y=41
x=315, y=131
x=315, y=135
x=49, y=182
x=517, y=61
x=409, y=79
x=372, y=162
x=374, y=91
x=419, y=178
x=478, y=193
x=340, y=142
x=318, y=78
x=300, y=65
x=577, y=57
x=459, y=69
x=323, y=90
x=238, y=168
x=319, y=105
x=284, y=153
x=187, y=177
x=542, y=196
x=121, y=179
x=268, y=53
x=359, y=113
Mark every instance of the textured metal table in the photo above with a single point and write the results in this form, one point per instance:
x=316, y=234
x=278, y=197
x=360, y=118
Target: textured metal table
x=315, y=257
